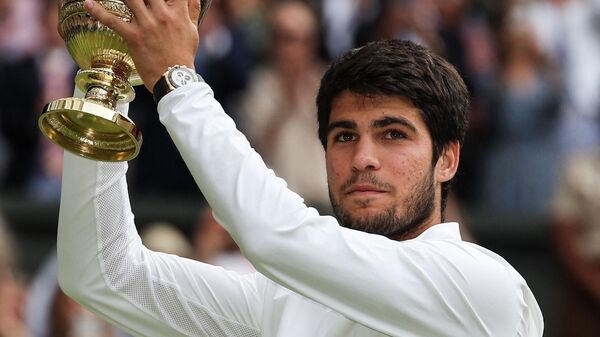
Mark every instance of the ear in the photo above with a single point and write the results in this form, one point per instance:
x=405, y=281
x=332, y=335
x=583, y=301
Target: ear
x=447, y=163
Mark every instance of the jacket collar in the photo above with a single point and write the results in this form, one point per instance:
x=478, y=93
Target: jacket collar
x=443, y=231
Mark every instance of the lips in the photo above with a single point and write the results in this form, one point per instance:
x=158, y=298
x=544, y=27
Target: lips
x=361, y=189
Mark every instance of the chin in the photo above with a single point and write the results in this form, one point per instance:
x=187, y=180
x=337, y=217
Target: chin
x=371, y=204
x=363, y=212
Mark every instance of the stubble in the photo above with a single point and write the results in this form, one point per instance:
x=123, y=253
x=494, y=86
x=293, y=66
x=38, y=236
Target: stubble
x=419, y=206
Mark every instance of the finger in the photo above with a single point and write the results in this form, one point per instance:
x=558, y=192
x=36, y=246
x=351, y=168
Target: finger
x=194, y=10
x=156, y=4
x=108, y=19
x=58, y=25
x=60, y=31
x=180, y=6
x=138, y=8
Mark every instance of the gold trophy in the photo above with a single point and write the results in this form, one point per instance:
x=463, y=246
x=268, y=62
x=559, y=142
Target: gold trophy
x=92, y=127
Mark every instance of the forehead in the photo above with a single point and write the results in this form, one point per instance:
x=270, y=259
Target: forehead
x=361, y=109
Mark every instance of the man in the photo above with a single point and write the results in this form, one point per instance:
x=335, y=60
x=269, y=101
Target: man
x=392, y=116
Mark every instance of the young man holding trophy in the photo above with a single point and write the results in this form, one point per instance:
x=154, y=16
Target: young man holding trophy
x=392, y=117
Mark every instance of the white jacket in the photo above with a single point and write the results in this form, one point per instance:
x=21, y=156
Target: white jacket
x=316, y=279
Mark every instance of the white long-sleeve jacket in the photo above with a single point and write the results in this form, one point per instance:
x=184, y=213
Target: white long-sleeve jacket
x=316, y=279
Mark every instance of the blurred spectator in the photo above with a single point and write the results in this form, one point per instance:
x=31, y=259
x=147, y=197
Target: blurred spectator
x=165, y=237
x=56, y=72
x=413, y=20
x=525, y=121
x=158, y=157
x=250, y=16
x=341, y=19
x=569, y=31
x=19, y=92
x=448, y=27
x=212, y=244
x=278, y=110
x=224, y=58
x=51, y=313
x=12, y=292
x=27, y=83
x=577, y=202
x=467, y=41
x=454, y=213
x=577, y=240
x=19, y=28
x=4, y=12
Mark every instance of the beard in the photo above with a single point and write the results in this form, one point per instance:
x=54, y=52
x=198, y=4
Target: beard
x=420, y=204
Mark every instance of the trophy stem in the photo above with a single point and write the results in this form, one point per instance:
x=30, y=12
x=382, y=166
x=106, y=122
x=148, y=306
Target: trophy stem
x=106, y=82
x=102, y=96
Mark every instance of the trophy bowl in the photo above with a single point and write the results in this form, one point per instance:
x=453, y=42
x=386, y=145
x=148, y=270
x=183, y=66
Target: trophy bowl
x=91, y=126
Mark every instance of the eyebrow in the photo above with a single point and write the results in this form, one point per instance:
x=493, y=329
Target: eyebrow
x=385, y=121
x=379, y=123
x=344, y=124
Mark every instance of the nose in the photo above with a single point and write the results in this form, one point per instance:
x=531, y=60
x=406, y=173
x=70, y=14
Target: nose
x=365, y=156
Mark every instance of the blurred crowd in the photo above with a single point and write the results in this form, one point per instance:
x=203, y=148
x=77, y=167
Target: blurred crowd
x=532, y=153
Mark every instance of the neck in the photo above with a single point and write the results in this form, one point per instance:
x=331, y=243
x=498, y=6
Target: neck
x=403, y=234
x=410, y=234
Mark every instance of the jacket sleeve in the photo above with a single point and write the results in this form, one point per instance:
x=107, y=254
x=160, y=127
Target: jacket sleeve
x=396, y=288
x=104, y=266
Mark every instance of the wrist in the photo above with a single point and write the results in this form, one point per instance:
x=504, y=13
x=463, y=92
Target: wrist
x=173, y=78
x=165, y=69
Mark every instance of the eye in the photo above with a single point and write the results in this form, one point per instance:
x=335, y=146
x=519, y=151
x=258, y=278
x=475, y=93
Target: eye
x=344, y=137
x=393, y=134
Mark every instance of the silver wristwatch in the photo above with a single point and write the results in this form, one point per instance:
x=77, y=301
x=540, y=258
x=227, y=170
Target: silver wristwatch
x=172, y=79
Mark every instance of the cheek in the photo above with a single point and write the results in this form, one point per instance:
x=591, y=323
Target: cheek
x=335, y=170
x=406, y=170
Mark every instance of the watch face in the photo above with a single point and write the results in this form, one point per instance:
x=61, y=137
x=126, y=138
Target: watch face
x=181, y=76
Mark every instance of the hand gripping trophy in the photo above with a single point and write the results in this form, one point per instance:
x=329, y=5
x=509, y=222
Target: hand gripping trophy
x=92, y=127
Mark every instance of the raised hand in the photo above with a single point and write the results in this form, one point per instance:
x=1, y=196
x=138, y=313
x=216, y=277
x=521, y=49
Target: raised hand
x=164, y=33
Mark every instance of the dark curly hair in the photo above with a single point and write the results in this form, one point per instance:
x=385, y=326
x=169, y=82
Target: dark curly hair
x=402, y=68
